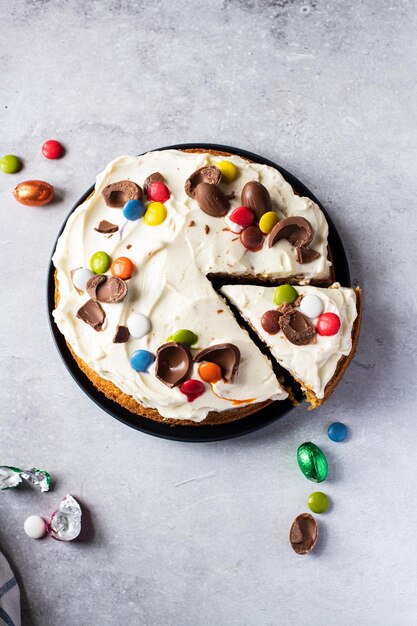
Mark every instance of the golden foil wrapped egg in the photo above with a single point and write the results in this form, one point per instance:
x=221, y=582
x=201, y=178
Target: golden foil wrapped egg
x=34, y=193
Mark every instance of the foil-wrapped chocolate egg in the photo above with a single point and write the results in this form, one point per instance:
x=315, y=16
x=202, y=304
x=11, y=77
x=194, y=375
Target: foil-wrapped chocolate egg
x=34, y=193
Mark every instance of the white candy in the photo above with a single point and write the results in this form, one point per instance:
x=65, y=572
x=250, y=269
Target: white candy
x=80, y=278
x=235, y=228
x=35, y=527
x=138, y=325
x=311, y=306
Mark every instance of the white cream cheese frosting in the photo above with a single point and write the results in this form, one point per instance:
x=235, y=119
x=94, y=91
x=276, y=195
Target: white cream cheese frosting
x=170, y=286
x=315, y=363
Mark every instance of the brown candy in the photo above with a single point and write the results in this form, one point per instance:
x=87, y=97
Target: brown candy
x=297, y=328
x=256, y=197
x=225, y=355
x=106, y=288
x=92, y=314
x=208, y=174
x=106, y=227
x=270, y=322
x=251, y=237
x=156, y=177
x=299, y=232
x=122, y=334
x=117, y=194
x=303, y=533
x=212, y=200
x=34, y=193
x=173, y=363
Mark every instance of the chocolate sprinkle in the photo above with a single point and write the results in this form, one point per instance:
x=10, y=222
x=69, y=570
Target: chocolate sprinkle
x=208, y=174
x=225, y=355
x=156, y=177
x=106, y=227
x=299, y=232
x=117, y=194
x=212, y=199
x=303, y=533
x=207, y=229
x=256, y=197
x=297, y=328
x=106, y=288
x=173, y=363
x=122, y=334
x=92, y=314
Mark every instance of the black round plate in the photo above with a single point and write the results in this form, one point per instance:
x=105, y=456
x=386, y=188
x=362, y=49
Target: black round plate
x=194, y=433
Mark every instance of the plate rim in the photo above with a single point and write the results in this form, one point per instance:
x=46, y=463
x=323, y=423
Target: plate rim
x=198, y=433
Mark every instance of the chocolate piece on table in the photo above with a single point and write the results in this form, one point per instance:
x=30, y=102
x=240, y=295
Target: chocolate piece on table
x=173, y=363
x=303, y=533
x=297, y=328
x=117, y=194
x=92, y=313
x=212, y=200
x=156, y=177
x=256, y=197
x=299, y=232
x=208, y=174
x=226, y=355
x=106, y=227
x=106, y=288
x=122, y=334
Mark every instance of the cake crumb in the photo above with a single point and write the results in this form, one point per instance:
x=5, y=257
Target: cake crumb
x=220, y=311
x=129, y=245
x=207, y=229
x=191, y=223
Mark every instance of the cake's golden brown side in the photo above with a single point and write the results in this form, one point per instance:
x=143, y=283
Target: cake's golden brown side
x=115, y=394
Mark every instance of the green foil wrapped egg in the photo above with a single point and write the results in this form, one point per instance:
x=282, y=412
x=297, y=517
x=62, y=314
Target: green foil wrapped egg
x=312, y=462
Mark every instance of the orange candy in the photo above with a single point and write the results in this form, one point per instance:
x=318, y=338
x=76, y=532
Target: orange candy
x=210, y=372
x=122, y=267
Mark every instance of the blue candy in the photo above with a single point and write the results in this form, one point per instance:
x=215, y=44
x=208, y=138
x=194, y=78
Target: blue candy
x=141, y=360
x=133, y=210
x=337, y=431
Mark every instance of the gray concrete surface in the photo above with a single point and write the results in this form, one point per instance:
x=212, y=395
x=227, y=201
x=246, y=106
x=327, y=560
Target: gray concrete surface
x=328, y=90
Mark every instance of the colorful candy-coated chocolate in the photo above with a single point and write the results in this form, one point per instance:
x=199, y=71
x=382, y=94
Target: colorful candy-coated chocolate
x=311, y=306
x=35, y=527
x=158, y=191
x=193, y=389
x=210, y=372
x=312, y=462
x=285, y=293
x=318, y=502
x=34, y=193
x=268, y=221
x=184, y=336
x=252, y=238
x=229, y=171
x=133, y=210
x=52, y=149
x=141, y=360
x=242, y=216
x=328, y=324
x=10, y=164
x=122, y=267
x=138, y=325
x=80, y=278
x=100, y=262
x=155, y=214
x=337, y=431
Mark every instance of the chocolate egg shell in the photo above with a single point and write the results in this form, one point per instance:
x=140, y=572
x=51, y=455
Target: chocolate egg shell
x=303, y=533
x=256, y=197
x=208, y=174
x=225, y=355
x=153, y=178
x=299, y=232
x=117, y=194
x=106, y=288
x=297, y=328
x=212, y=200
x=34, y=193
x=173, y=363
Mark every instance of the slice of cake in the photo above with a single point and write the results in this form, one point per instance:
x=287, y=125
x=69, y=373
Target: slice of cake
x=312, y=332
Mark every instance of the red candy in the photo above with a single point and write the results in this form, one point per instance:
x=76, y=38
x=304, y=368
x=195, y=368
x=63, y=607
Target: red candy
x=328, y=324
x=158, y=192
x=193, y=389
x=52, y=149
x=242, y=216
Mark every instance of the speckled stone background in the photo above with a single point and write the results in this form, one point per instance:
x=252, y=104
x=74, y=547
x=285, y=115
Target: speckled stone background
x=328, y=90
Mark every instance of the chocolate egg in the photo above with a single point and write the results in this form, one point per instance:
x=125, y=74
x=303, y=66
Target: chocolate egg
x=303, y=533
x=34, y=193
x=212, y=200
x=256, y=197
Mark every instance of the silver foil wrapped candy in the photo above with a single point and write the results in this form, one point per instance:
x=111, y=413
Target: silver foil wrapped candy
x=65, y=524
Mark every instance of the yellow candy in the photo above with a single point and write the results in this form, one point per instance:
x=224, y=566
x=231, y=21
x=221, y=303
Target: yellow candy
x=155, y=214
x=268, y=221
x=228, y=170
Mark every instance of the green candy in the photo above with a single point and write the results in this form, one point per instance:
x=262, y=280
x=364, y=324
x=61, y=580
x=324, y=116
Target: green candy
x=318, y=502
x=185, y=337
x=100, y=262
x=10, y=164
x=312, y=462
x=285, y=293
